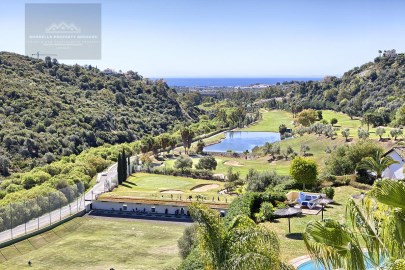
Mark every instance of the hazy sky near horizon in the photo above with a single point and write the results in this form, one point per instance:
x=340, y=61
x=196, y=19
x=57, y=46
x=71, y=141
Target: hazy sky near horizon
x=231, y=38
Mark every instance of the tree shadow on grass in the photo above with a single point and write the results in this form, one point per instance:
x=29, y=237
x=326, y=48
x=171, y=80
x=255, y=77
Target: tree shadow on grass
x=294, y=236
x=128, y=184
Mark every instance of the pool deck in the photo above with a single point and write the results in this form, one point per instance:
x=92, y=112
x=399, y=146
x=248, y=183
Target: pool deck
x=299, y=261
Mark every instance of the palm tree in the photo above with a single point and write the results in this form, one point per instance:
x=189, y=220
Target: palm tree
x=241, y=244
x=376, y=164
x=378, y=222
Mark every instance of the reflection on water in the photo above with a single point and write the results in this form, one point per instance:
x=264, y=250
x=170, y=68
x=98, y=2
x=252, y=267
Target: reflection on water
x=240, y=141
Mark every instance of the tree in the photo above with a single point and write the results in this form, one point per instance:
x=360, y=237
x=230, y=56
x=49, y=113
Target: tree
x=346, y=133
x=200, y=147
x=376, y=164
x=124, y=166
x=377, y=224
x=147, y=144
x=187, y=241
x=183, y=163
x=307, y=117
x=380, y=132
x=119, y=169
x=304, y=149
x=304, y=171
x=363, y=134
x=241, y=244
x=172, y=143
x=187, y=135
x=333, y=121
x=320, y=116
x=380, y=52
x=282, y=129
x=207, y=163
x=4, y=164
x=164, y=141
x=395, y=133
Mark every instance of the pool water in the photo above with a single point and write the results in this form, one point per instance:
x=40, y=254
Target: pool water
x=311, y=265
x=240, y=141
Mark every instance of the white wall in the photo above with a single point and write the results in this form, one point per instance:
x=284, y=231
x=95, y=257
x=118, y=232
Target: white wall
x=395, y=171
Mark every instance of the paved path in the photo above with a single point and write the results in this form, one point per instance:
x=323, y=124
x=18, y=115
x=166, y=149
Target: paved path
x=73, y=207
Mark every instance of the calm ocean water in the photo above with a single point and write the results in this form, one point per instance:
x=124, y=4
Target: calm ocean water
x=230, y=82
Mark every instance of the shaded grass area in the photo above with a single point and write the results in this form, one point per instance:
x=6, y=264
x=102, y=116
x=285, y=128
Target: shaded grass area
x=291, y=244
x=99, y=243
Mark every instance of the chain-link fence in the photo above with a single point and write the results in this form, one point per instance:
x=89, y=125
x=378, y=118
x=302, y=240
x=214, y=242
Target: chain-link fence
x=22, y=217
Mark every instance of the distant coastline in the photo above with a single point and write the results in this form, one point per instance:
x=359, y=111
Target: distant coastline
x=232, y=82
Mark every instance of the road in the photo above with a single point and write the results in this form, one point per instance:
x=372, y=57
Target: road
x=72, y=208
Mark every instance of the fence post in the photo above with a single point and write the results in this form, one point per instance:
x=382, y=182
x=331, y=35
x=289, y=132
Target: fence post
x=60, y=209
x=25, y=217
x=11, y=221
x=49, y=204
x=38, y=213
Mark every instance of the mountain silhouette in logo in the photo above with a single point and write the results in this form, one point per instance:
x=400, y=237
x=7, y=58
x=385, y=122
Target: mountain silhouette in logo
x=63, y=28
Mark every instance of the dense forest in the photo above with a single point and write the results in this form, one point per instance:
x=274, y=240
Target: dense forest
x=49, y=110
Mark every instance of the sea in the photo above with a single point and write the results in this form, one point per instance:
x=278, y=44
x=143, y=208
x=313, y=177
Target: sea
x=232, y=82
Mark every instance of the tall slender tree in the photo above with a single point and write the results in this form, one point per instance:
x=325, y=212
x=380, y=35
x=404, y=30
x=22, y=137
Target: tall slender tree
x=124, y=166
x=119, y=169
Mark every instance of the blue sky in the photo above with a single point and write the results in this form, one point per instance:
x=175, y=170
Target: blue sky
x=160, y=38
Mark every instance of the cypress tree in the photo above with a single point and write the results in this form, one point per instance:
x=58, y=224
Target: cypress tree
x=129, y=164
x=119, y=170
x=124, y=166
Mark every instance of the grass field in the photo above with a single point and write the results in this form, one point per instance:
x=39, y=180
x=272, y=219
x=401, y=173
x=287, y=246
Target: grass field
x=144, y=185
x=99, y=244
x=271, y=121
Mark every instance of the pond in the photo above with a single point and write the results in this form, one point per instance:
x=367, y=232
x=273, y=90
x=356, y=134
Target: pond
x=240, y=141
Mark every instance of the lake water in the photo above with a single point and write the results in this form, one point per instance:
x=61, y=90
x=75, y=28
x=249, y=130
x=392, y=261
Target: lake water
x=240, y=141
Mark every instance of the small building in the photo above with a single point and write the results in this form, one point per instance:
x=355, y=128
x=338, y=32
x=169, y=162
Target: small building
x=109, y=71
x=167, y=207
x=395, y=171
x=390, y=53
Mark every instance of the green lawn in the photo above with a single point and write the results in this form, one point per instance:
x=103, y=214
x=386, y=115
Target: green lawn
x=144, y=185
x=292, y=245
x=242, y=165
x=99, y=244
x=271, y=121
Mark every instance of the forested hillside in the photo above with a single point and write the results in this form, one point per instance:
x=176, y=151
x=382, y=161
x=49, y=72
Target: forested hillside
x=376, y=88
x=49, y=110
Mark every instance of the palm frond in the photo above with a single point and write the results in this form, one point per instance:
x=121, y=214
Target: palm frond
x=333, y=246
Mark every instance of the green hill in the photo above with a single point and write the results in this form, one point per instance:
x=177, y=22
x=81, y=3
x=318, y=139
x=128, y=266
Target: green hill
x=376, y=87
x=49, y=110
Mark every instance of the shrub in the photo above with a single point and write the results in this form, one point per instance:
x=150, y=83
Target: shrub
x=329, y=192
x=207, y=163
x=187, y=241
x=266, y=212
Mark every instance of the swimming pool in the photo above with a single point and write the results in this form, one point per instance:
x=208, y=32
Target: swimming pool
x=311, y=265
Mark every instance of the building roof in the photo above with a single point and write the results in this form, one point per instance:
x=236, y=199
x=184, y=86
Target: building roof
x=400, y=150
x=128, y=199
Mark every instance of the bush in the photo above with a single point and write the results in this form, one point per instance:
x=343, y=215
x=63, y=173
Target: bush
x=329, y=192
x=207, y=163
x=341, y=181
x=260, y=181
x=187, y=241
x=266, y=212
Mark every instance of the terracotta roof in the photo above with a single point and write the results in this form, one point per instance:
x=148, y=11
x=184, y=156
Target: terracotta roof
x=400, y=150
x=127, y=199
